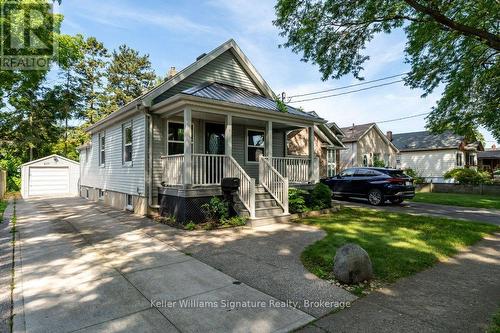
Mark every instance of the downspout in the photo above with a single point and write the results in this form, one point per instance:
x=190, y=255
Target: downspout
x=148, y=170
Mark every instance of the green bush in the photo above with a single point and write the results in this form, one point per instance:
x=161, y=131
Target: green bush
x=378, y=163
x=321, y=196
x=417, y=179
x=235, y=221
x=297, y=200
x=468, y=176
x=216, y=210
x=190, y=226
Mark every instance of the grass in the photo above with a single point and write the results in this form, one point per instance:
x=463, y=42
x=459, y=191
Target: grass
x=399, y=245
x=457, y=199
x=495, y=323
x=3, y=206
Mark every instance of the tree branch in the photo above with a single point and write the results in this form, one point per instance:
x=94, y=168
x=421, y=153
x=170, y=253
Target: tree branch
x=490, y=39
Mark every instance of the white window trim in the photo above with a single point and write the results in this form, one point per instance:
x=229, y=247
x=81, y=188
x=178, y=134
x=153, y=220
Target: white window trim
x=102, y=135
x=177, y=141
x=125, y=126
x=461, y=159
x=330, y=163
x=248, y=146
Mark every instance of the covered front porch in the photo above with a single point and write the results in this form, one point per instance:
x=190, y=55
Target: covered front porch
x=204, y=143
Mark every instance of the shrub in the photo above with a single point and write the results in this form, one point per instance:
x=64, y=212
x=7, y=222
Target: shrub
x=235, y=221
x=297, y=201
x=216, y=209
x=190, y=226
x=468, y=176
x=417, y=178
x=321, y=196
x=378, y=163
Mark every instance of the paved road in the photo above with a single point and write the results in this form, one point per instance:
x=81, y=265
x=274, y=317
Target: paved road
x=419, y=208
x=90, y=268
x=459, y=295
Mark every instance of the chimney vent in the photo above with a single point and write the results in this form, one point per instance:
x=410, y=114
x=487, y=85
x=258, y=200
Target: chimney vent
x=171, y=72
x=201, y=56
x=389, y=135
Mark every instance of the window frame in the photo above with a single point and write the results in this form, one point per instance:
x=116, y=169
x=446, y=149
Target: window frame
x=100, y=194
x=102, y=149
x=177, y=141
x=125, y=127
x=253, y=146
x=329, y=164
x=129, y=207
x=461, y=155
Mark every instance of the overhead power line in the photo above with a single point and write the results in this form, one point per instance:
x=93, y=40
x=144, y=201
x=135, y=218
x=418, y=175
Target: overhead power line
x=403, y=118
x=349, y=86
x=347, y=92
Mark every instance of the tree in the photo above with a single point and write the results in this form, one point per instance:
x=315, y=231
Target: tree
x=128, y=75
x=451, y=43
x=91, y=71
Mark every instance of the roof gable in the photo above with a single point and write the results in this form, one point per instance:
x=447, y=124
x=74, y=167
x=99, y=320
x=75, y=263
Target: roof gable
x=225, y=64
x=55, y=156
x=355, y=132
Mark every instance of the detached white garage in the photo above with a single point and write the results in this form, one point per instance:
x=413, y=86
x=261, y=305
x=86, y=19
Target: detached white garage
x=50, y=176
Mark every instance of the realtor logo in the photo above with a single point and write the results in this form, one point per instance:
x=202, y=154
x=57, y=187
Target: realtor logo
x=27, y=35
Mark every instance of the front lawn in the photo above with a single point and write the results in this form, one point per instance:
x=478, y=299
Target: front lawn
x=463, y=200
x=399, y=244
x=495, y=323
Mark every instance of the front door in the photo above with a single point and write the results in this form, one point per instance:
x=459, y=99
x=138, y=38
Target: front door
x=214, y=139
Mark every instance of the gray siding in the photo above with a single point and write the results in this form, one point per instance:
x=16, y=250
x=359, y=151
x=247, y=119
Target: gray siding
x=114, y=175
x=223, y=69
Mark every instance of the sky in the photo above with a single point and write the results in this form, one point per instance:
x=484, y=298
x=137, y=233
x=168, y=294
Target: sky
x=174, y=33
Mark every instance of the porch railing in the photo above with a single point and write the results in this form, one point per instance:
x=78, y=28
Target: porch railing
x=274, y=182
x=296, y=169
x=246, y=192
x=173, y=167
x=207, y=169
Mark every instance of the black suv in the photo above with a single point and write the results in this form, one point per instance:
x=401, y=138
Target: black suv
x=376, y=184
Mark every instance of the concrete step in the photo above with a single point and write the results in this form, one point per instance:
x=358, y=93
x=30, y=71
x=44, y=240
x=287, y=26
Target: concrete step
x=263, y=203
x=260, y=189
x=257, y=222
x=268, y=211
x=263, y=196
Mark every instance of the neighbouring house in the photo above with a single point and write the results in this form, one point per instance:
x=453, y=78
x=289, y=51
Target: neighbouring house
x=489, y=159
x=326, y=147
x=366, y=145
x=52, y=175
x=169, y=149
x=432, y=155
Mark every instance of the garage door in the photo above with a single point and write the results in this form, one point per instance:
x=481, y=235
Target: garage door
x=48, y=181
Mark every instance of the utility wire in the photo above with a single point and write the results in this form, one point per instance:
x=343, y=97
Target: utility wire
x=347, y=92
x=349, y=86
x=403, y=118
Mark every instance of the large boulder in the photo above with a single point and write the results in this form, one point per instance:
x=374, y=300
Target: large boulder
x=352, y=264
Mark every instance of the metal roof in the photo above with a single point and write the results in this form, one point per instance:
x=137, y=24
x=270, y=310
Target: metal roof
x=426, y=141
x=227, y=93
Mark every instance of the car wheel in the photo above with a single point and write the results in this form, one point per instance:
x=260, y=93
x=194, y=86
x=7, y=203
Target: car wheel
x=397, y=201
x=375, y=197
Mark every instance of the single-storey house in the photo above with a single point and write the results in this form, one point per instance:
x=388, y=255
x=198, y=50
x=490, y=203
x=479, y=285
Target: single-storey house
x=366, y=145
x=326, y=147
x=169, y=149
x=52, y=175
x=432, y=155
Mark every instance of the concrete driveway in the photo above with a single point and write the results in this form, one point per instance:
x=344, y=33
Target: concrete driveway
x=88, y=268
x=491, y=216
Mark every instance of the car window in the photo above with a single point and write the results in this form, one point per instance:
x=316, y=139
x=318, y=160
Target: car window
x=347, y=173
x=362, y=173
x=397, y=174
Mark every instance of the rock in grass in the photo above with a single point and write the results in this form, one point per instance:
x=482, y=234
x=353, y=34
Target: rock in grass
x=352, y=264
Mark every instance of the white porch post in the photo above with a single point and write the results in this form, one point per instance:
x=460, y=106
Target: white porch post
x=188, y=137
x=310, y=142
x=228, y=136
x=269, y=139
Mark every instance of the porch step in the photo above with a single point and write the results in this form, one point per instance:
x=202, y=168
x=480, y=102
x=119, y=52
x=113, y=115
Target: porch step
x=263, y=196
x=268, y=211
x=260, y=189
x=263, y=203
x=262, y=221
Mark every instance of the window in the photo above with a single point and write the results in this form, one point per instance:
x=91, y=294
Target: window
x=127, y=143
x=130, y=202
x=87, y=193
x=387, y=159
x=330, y=163
x=101, y=194
x=398, y=159
x=102, y=149
x=472, y=159
x=255, y=145
x=175, y=138
x=347, y=173
x=365, y=160
x=460, y=159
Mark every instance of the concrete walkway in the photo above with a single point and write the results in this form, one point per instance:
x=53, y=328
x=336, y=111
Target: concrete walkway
x=491, y=216
x=93, y=269
x=459, y=295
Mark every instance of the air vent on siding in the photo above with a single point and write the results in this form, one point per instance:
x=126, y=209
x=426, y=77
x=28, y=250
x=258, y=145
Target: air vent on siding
x=201, y=56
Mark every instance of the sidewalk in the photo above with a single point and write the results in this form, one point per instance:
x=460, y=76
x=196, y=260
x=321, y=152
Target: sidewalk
x=459, y=295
